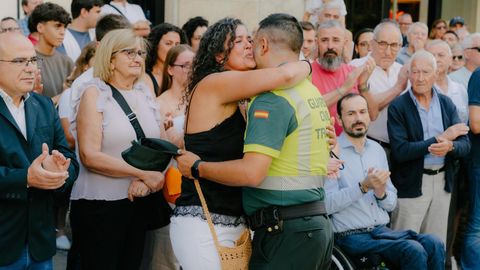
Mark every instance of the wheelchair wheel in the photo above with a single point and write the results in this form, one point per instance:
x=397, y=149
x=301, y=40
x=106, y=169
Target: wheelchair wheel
x=340, y=260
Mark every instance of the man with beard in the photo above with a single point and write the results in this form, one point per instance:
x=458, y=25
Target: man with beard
x=335, y=79
x=360, y=199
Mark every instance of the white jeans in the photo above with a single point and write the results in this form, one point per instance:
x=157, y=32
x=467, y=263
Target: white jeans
x=193, y=244
x=427, y=213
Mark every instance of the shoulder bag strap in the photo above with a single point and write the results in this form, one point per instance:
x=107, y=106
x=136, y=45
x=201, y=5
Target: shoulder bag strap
x=132, y=117
x=118, y=10
x=207, y=214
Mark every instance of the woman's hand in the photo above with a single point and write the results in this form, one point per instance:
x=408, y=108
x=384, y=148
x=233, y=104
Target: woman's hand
x=154, y=180
x=137, y=188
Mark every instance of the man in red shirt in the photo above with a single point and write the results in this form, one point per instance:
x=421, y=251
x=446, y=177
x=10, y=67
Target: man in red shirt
x=332, y=77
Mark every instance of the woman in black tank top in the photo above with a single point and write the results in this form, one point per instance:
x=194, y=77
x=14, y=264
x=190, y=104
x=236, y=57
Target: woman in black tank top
x=222, y=74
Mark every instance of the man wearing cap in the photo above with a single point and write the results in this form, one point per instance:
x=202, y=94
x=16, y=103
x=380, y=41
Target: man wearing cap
x=471, y=53
x=456, y=23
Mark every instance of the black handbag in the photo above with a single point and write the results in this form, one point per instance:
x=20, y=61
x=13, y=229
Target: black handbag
x=149, y=154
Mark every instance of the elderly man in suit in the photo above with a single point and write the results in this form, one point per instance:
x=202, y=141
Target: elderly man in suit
x=426, y=136
x=29, y=172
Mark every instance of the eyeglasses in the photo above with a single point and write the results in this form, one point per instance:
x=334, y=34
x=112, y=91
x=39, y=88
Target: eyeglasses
x=184, y=67
x=457, y=57
x=132, y=53
x=20, y=62
x=440, y=27
x=10, y=29
x=383, y=45
x=475, y=48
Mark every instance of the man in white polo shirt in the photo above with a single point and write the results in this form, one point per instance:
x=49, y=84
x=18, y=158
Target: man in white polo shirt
x=388, y=79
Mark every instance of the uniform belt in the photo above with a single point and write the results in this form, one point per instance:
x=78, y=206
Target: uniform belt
x=271, y=217
x=383, y=144
x=433, y=172
x=354, y=231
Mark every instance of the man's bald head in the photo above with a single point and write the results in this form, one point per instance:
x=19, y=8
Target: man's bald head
x=11, y=42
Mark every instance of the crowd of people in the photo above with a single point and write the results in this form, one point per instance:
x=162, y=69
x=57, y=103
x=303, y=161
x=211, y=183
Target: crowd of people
x=303, y=133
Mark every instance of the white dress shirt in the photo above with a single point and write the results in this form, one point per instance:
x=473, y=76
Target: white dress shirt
x=18, y=113
x=132, y=12
x=458, y=94
x=380, y=81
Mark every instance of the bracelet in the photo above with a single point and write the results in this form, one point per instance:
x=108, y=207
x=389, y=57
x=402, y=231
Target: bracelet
x=309, y=65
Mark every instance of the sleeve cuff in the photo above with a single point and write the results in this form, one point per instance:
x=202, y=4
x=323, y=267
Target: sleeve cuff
x=257, y=148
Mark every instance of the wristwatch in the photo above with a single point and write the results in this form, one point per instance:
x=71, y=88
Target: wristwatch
x=194, y=169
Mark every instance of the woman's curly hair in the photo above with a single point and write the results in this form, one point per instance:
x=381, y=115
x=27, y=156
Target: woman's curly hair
x=211, y=45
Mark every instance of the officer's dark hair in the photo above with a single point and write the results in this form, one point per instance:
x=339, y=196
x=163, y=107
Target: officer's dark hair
x=347, y=97
x=282, y=29
x=77, y=5
x=108, y=23
x=47, y=12
x=191, y=25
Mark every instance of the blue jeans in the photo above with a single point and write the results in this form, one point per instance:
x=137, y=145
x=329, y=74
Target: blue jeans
x=25, y=262
x=471, y=244
x=404, y=248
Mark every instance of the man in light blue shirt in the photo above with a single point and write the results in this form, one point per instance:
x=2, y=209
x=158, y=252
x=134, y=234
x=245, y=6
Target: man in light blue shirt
x=360, y=199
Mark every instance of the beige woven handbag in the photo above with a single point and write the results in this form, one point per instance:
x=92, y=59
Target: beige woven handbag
x=231, y=258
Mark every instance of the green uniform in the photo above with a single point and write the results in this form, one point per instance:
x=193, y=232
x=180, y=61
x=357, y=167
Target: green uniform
x=289, y=125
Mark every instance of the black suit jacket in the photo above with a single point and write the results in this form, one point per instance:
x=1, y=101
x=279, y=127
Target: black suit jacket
x=409, y=147
x=26, y=214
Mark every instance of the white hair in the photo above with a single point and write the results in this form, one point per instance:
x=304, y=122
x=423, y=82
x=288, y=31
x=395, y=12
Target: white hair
x=382, y=25
x=422, y=54
x=468, y=40
x=334, y=4
x=419, y=25
x=439, y=42
x=330, y=24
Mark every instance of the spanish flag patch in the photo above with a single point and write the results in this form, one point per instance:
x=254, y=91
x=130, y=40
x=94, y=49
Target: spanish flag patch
x=260, y=114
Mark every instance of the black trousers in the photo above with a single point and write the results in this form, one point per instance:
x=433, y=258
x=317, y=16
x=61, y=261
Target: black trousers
x=109, y=235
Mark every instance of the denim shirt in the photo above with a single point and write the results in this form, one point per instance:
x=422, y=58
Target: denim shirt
x=349, y=207
x=432, y=123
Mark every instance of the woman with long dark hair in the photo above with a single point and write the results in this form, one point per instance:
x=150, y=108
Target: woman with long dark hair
x=162, y=38
x=222, y=74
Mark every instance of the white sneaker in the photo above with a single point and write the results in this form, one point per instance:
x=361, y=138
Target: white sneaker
x=63, y=242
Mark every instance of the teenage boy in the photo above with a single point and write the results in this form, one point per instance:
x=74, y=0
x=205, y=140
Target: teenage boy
x=50, y=20
x=85, y=14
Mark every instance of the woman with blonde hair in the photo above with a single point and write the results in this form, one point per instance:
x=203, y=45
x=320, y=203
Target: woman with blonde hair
x=108, y=221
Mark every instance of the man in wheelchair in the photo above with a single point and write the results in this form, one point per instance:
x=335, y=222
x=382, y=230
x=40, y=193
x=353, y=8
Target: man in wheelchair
x=362, y=195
